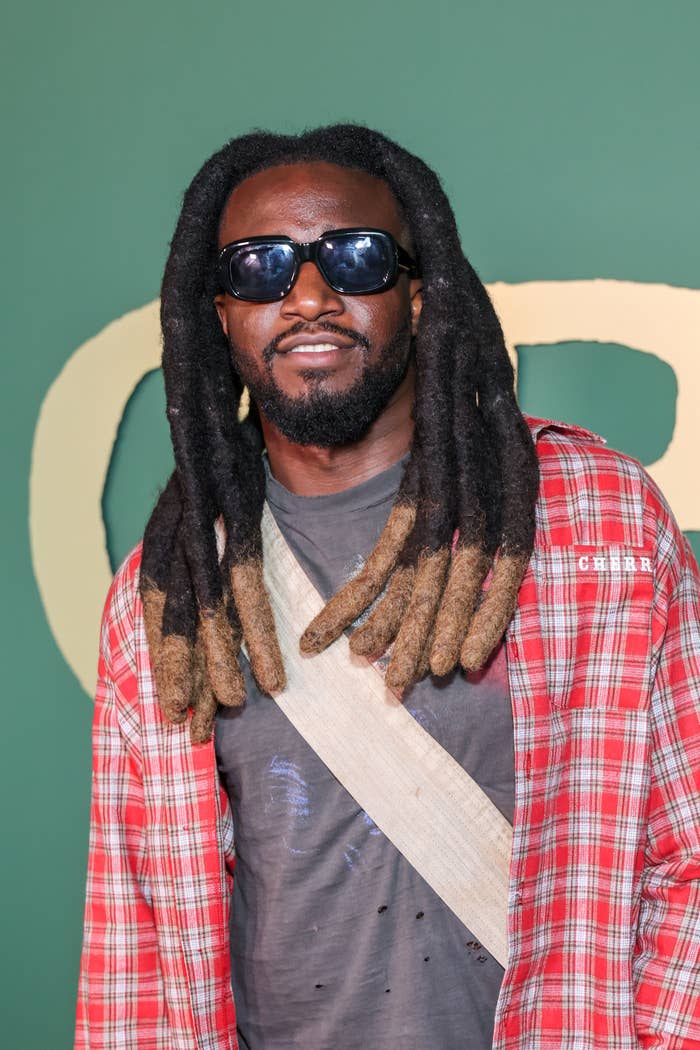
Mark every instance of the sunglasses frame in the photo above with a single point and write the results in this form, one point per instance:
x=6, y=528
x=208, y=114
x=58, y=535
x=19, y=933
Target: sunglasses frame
x=307, y=251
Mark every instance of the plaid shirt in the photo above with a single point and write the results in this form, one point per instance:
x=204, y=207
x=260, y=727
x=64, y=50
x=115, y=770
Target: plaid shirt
x=604, y=902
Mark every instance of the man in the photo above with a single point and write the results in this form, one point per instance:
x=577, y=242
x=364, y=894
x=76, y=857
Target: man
x=324, y=273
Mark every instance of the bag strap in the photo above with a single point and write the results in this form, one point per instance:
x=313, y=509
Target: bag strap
x=425, y=803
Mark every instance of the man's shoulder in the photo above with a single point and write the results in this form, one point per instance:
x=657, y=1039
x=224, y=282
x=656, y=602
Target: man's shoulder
x=121, y=608
x=541, y=429
x=124, y=588
x=591, y=494
x=570, y=450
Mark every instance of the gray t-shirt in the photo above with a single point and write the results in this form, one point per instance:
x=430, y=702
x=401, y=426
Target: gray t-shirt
x=336, y=942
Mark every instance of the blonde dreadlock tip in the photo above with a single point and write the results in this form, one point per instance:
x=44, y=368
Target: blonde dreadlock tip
x=205, y=701
x=491, y=619
x=358, y=593
x=223, y=672
x=442, y=661
x=313, y=642
x=468, y=567
x=424, y=669
x=173, y=670
x=203, y=719
x=258, y=625
x=202, y=734
x=474, y=655
x=231, y=691
x=397, y=679
x=235, y=696
x=153, y=606
x=329, y=624
x=364, y=642
x=378, y=631
x=417, y=623
x=271, y=678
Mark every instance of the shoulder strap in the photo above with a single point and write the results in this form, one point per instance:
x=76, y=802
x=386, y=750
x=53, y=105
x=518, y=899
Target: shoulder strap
x=414, y=791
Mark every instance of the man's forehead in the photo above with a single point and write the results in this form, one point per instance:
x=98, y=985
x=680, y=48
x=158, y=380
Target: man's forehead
x=306, y=199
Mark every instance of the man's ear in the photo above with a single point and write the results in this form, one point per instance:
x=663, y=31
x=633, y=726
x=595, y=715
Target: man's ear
x=416, y=292
x=220, y=304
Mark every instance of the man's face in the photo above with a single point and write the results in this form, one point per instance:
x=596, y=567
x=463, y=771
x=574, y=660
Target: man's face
x=331, y=397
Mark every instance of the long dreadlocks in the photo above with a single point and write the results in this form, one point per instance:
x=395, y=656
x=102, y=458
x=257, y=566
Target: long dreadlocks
x=198, y=609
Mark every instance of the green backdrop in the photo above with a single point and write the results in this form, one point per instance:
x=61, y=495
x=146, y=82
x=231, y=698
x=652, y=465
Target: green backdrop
x=566, y=136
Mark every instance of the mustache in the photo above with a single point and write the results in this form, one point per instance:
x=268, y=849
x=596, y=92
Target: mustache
x=324, y=326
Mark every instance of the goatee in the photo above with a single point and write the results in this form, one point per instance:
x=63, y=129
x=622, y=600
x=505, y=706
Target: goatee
x=329, y=418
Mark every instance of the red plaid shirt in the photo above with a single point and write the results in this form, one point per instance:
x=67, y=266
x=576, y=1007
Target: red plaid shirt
x=604, y=904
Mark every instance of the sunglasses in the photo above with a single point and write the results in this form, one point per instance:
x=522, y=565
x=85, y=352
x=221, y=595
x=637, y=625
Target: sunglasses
x=354, y=261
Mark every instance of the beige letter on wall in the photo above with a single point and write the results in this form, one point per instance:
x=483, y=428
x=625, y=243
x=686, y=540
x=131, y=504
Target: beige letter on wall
x=653, y=318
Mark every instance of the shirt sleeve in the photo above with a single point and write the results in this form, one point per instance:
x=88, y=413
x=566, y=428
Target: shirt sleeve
x=120, y=996
x=666, y=962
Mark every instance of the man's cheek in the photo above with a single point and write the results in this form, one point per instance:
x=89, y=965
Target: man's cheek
x=243, y=322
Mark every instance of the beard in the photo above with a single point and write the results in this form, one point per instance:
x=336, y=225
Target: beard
x=328, y=418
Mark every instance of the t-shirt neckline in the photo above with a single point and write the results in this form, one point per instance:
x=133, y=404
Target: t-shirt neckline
x=380, y=488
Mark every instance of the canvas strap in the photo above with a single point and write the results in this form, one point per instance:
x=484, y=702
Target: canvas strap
x=415, y=792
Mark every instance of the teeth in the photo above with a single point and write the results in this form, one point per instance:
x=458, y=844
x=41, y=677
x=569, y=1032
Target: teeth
x=313, y=348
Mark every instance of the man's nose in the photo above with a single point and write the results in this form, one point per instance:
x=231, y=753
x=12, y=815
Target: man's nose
x=311, y=296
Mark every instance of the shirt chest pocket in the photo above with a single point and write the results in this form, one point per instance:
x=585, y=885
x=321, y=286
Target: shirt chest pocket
x=595, y=613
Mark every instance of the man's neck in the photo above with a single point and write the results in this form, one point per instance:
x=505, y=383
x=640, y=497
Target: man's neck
x=310, y=471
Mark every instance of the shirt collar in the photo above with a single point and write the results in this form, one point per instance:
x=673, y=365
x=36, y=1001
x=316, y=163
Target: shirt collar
x=538, y=426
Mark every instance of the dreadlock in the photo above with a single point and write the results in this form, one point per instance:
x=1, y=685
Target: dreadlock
x=471, y=468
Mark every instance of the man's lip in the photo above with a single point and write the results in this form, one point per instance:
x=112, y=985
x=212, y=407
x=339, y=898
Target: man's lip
x=320, y=337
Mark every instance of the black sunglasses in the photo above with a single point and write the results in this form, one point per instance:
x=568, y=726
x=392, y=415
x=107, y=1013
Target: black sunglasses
x=354, y=261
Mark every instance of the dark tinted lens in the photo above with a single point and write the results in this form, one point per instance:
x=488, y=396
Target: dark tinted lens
x=357, y=262
x=261, y=271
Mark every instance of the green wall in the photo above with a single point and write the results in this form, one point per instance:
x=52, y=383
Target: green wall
x=566, y=136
